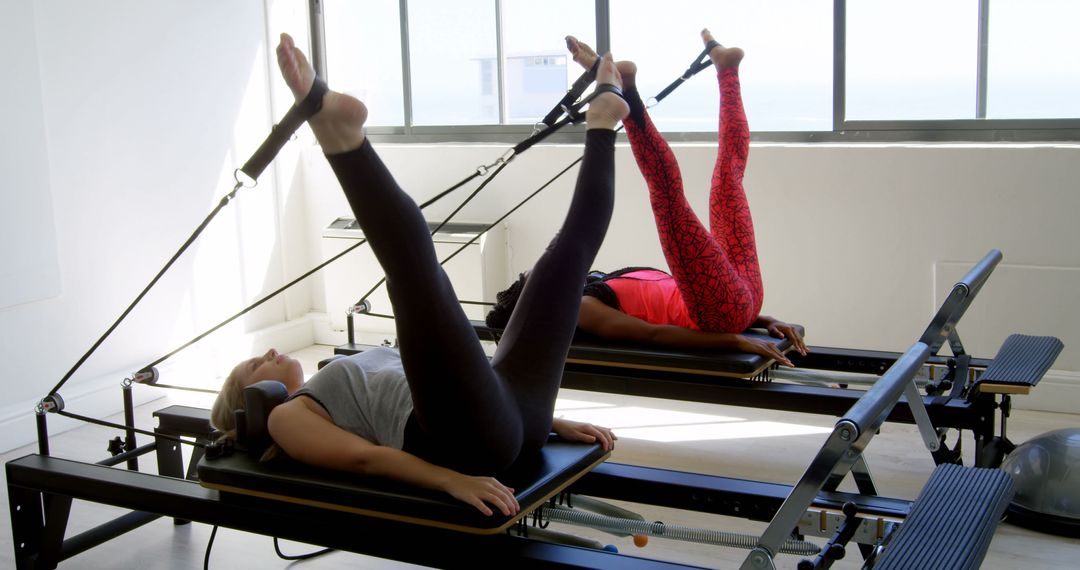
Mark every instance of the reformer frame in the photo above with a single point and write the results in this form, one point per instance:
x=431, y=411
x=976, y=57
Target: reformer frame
x=41, y=489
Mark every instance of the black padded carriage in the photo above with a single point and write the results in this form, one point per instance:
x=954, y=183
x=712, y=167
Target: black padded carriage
x=587, y=350
x=240, y=476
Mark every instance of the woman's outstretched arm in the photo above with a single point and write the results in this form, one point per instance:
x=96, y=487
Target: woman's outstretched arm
x=303, y=431
x=603, y=321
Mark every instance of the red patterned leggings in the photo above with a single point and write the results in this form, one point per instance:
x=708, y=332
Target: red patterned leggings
x=717, y=271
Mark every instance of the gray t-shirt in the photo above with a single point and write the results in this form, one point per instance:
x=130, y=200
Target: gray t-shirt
x=365, y=394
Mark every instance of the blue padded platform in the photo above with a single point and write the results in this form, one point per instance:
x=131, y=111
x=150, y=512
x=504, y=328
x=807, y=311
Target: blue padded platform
x=1020, y=363
x=952, y=521
x=240, y=476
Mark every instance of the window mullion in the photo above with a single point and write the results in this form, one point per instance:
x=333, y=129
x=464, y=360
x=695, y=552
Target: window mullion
x=406, y=65
x=500, y=63
x=603, y=26
x=839, y=64
x=317, y=29
x=982, y=74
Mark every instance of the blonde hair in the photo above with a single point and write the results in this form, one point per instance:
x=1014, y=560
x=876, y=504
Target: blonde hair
x=229, y=399
x=223, y=413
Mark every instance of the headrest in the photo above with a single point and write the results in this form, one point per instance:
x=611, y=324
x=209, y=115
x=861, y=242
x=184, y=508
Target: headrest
x=259, y=399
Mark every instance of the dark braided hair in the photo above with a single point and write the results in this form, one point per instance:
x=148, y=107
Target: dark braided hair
x=505, y=301
x=595, y=286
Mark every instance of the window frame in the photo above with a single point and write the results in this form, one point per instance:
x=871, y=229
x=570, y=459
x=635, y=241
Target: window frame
x=977, y=130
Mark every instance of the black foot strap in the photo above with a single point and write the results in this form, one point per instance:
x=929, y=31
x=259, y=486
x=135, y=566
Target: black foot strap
x=281, y=132
x=703, y=61
x=573, y=115
x=572, y=94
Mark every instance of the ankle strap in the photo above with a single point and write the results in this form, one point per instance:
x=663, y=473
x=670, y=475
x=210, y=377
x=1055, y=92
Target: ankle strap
x=283, y=131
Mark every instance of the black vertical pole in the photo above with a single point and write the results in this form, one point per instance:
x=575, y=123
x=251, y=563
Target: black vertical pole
x=42, y=433
x=129, y=421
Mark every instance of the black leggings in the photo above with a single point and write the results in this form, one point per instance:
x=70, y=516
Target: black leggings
x=471, y=413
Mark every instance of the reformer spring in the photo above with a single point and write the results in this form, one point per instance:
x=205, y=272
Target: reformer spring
x=623, y=526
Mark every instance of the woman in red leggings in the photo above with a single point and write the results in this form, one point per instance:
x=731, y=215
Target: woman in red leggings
x=714, y=291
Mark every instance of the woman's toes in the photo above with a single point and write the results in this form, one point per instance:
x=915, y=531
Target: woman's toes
x=581, y=52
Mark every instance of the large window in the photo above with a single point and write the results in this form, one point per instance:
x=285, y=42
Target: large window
x=916, y=59
x=787, y=77
x=363, y=58
x=815, y=70
x=1034, y=71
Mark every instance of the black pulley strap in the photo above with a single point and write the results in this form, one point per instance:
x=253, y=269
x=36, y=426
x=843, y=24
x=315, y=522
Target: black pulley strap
x=572, y=94
x=703, y=61
x=574, y=114
x=280, y=134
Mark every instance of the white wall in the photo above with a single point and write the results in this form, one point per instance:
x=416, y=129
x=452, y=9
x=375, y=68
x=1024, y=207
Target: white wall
x=129, y=118
x=126, y=119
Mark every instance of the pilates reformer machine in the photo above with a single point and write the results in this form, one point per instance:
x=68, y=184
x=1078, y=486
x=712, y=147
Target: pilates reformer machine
x=948, y=526
x=958, y=392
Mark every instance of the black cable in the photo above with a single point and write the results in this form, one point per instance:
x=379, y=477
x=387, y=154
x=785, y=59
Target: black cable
x=442, y=224
x=209, y=545
x=184, y=388
x=123, y=427
x=477, y=236
x=440, y=195
x=257, y=303
x=307, y=556
x=224, y=201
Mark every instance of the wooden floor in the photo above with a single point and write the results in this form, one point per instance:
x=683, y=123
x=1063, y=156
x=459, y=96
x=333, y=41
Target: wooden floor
x=721, y=440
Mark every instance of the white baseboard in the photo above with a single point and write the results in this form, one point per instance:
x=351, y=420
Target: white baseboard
x=325, y=333
x=1059, y=391
x=101, y=397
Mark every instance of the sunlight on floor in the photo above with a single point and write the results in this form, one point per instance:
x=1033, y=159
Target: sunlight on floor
x=669, y=426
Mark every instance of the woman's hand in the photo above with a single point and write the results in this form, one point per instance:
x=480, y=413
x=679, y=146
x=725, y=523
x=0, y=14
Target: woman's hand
x=583, y=432
x=780, y=329
x=763, y=347
x=482, y=491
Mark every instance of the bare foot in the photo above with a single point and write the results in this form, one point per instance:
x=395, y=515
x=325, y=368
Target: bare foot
x=586, y=56
x=722, y=56
x=339, y=125
x=607, y=109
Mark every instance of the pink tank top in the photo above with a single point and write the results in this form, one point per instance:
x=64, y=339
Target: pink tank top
x=652, y=296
